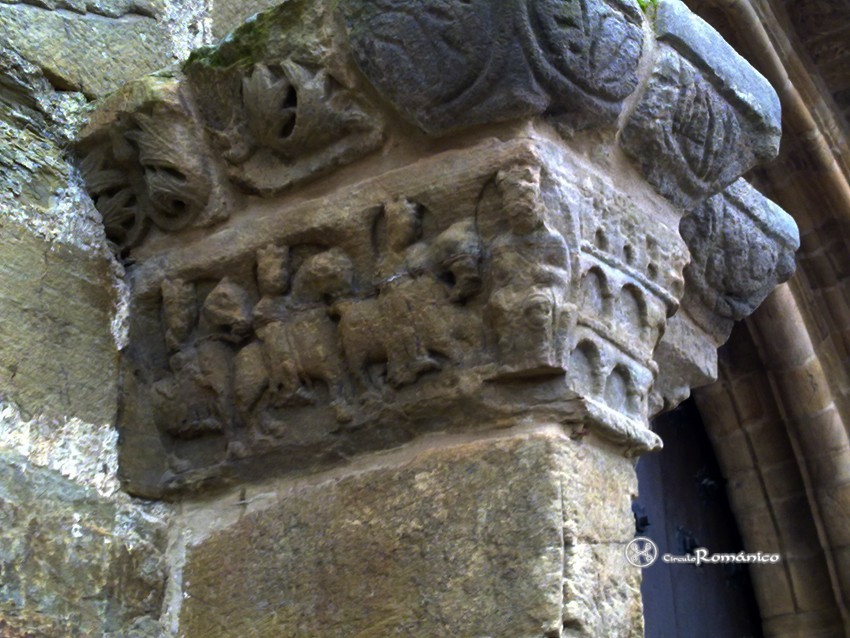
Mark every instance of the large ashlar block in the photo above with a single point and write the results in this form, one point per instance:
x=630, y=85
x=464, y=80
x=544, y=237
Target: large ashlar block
x=57, y=353
x=94, y=48
x=519, y=536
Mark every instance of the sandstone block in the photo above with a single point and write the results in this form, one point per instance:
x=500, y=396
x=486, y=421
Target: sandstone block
x=86, y=52
x=57, y=353
x=438, y=545
x=73, y=564
x=811, y=583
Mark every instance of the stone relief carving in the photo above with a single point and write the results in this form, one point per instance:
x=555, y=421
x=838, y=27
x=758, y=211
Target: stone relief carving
x=510, y=277
x=290, y=121
x=686, y=137
x=175, y=150
x=451, y=65
x=427, y=306
x=706, y=116
x=115, y=195
x=742, y=246
x=151, y=169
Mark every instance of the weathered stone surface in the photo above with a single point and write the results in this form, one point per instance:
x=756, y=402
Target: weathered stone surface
x=447, y=66
x=86, y=52
x=731, y=74
x=278, y=98
x=57, y=352
x=439, y=544
x=742, y=246
x=227, y=15
x=270, y=107
x=107, y=8
x=694, y=132
x=73, y=564
x=488, y=282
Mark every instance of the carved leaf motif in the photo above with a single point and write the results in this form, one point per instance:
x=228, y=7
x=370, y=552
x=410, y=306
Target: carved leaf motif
x=293, y=110
x=115, y=199
x=736, y=262
x=703, y=129
x=270, y=105
x=173, y=161
x=587, y=44
x=453, y=64
x=423, y=53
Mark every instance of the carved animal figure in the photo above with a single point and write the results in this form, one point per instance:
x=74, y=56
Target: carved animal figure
x=300, y=351
x=411, y=327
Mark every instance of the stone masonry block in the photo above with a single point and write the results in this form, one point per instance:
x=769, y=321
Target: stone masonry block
x=86, y=52
x=56, y=350
x=73, y=564
x=437, y=545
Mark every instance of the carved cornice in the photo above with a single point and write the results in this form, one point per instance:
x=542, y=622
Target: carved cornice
x=511, y=277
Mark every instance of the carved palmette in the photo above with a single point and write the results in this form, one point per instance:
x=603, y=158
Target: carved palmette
x=115, y=195
x=173, y=159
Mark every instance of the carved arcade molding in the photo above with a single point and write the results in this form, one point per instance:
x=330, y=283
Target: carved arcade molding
x=288, y=312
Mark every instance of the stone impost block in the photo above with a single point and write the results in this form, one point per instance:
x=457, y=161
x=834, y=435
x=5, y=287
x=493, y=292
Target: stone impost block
x=706, y=116
x=742, y=246
x=434, y=541
x=448, y=66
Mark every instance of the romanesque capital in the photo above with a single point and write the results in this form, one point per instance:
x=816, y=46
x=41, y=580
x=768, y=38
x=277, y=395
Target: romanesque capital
x=355, y=222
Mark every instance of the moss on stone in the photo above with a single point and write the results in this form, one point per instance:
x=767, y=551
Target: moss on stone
x=252, y=41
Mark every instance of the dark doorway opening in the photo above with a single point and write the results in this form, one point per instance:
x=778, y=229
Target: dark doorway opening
x=683, y=506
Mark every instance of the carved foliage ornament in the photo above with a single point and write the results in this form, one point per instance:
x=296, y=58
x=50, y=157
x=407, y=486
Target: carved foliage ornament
x=150, y=168
x=742, y=246
x=448, y=65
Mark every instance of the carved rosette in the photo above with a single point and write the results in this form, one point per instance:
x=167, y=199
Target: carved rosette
x=510, y=275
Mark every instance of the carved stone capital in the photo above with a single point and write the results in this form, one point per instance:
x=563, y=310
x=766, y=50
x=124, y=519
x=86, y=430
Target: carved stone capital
x=313, y=277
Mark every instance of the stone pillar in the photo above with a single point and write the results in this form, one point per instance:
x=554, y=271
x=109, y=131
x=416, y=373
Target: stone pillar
x=402, y=277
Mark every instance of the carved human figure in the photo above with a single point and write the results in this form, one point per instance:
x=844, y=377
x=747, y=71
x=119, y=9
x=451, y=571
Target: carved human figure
x=530, y=272
x=453, y=256
x=179, y=311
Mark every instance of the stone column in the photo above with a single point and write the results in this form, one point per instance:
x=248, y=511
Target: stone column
x=401, y=274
